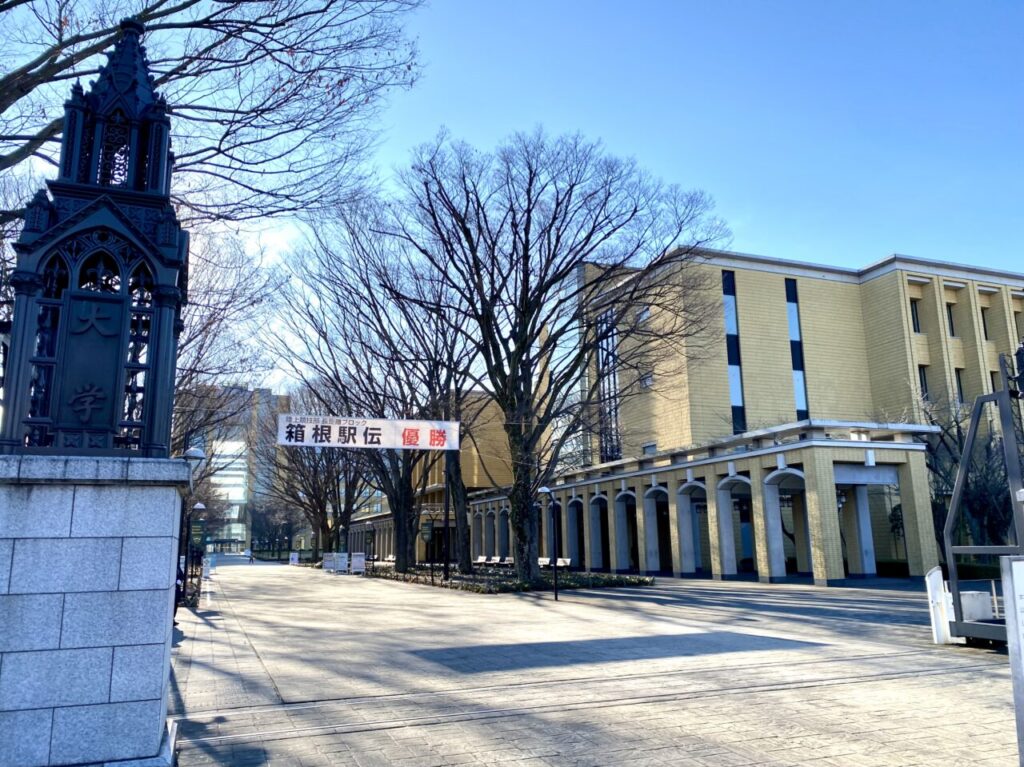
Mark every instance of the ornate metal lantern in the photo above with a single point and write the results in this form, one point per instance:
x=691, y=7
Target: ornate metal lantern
x=100, y=278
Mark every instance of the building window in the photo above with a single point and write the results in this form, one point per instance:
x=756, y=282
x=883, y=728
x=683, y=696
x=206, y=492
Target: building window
x=949, y=320
x=922, y=381
x=650, y=448
x=994, y=375
x=796, y=351
x=959, y=375
x=732, y=346
x=984, y=323
x=915, y=315
x=647, y=380
x=609, y=442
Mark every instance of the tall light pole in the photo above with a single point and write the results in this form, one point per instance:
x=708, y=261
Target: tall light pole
x=554, y=537
x=197, y=508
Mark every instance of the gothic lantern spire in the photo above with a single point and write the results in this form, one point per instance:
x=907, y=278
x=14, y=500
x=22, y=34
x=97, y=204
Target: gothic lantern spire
x=100, y=277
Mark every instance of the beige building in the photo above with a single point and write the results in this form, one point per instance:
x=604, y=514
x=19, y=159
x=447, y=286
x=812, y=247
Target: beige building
x=790, y=442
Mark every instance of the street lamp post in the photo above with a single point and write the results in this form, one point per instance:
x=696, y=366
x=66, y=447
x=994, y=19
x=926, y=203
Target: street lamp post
x=447, y=505
x=554, y=537
x=426, y=533
x=197, y=508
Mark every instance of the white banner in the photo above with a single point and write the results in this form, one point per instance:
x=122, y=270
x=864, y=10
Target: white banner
x=329, y=431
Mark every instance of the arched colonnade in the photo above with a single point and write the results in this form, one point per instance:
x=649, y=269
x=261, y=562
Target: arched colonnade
x=765, y=522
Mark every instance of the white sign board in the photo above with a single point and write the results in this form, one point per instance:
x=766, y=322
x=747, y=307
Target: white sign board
x=341, y=564
x=358, y=563
x=368, y=433
x=330, y=561
x=293, y=558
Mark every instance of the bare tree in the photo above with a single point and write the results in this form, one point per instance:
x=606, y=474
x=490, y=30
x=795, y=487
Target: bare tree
x=327, y=485
x=271, y=523
x=332, y=343
x=418, y=339
x=986, y=506
x=273, y=99
x=575, y=273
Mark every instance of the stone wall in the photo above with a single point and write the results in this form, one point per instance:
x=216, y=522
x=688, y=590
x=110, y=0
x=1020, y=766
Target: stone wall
x=88, y=550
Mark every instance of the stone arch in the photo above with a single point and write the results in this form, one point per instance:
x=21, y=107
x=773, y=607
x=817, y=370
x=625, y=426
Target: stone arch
x=657, y=531
x=691, y=527
x=490, y=533
x=100, y=272
x=626, y=554
x=776, y=484
x=576, y=546
x=554, y=530
x=478, y=534
x=56, y=277
x=504, y=539
x=600, y=534
x=733, y=549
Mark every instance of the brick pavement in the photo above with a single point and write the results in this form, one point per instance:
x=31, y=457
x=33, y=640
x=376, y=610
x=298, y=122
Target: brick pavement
x=290, y=666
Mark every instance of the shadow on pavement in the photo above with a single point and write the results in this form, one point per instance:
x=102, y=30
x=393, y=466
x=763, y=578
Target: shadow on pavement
x=512, y=657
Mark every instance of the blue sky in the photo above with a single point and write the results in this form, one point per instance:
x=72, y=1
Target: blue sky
x=831, y=131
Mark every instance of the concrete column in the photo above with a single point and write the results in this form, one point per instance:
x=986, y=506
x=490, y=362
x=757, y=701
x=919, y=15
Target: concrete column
x=650, y=556
x=476, y=531
x=88, y=556
x=723, y=538
x=865, y=541
x=772, y=523
x=915, y=502
x=588, y=531
x=679, y=523
x=823, y=518
x=619, y=536
x=757, y=516
x=595, y=557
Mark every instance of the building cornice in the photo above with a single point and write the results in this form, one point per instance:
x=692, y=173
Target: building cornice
x=894, y=262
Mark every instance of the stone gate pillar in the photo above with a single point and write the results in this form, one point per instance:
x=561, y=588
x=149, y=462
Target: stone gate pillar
x=88, y=555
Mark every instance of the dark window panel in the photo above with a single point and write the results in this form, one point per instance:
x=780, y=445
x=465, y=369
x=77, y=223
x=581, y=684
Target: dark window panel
x=728, y=283
x=739, y=419
x=796, y=351
x=915, y=315
x=732, y=347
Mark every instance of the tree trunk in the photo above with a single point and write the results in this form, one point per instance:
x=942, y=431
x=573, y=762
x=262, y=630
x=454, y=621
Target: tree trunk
x=326, y=535
x=405, y=518
x=523, y=517
x=460, y=508
x=523, y=508
x=402, y=562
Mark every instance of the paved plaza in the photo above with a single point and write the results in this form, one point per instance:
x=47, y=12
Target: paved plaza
x=291, y=666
